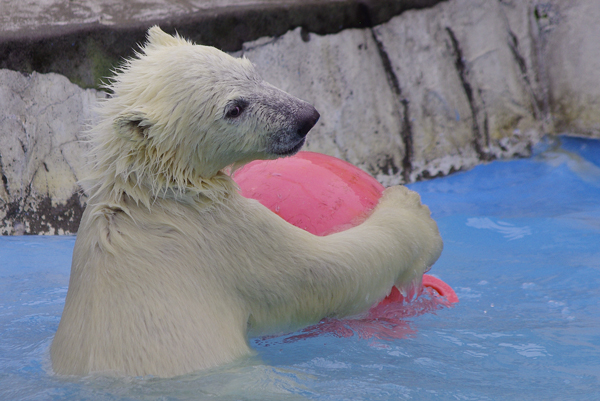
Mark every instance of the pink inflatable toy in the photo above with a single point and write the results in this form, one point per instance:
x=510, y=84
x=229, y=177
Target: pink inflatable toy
x=322, y=195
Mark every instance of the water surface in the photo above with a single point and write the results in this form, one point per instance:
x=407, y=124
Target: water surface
x=522, y=251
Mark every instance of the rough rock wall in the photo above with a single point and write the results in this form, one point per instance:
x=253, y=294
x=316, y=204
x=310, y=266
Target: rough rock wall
x=570, y=60
x=429, y=92
x=41, y=153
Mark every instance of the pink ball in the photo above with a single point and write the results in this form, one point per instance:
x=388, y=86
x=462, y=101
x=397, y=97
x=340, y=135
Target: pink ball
x=318, y=193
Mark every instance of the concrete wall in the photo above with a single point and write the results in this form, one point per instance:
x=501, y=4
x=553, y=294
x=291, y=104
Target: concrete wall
x=427, y=93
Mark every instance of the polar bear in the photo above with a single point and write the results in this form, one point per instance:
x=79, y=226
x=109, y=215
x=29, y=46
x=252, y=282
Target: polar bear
x=172, y=268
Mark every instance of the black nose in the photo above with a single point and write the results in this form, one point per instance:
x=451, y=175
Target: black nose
x=307, y=119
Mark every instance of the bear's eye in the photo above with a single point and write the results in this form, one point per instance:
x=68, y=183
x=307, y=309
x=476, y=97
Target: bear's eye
x=236, y=109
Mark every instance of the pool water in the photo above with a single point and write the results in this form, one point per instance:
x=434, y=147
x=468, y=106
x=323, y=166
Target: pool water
x=522, y=251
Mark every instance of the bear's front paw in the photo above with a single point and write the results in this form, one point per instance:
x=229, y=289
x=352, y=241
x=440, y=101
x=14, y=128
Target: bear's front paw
x=399, y=195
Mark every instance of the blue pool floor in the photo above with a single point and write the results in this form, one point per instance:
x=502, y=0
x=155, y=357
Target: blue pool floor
x=522, y=251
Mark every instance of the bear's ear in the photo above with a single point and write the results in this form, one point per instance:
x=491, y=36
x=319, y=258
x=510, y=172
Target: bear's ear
x=132, y=125
x=157, y=37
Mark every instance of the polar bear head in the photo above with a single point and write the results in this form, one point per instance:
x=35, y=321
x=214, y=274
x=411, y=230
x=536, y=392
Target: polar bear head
x=179, y=113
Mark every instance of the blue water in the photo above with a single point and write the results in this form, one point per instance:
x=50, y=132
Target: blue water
x=522, y=251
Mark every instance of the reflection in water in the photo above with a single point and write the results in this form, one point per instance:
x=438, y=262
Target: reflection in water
x=507, y=230
x=383, y=322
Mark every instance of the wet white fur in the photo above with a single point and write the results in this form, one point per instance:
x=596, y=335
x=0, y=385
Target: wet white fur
x=172, y=268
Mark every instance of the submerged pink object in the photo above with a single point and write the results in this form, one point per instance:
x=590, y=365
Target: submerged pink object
x=322, y=195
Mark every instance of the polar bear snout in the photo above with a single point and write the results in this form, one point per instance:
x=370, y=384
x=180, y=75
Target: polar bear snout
x=290, y=139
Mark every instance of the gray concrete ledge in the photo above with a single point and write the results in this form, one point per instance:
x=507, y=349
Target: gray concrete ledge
x=83, y=40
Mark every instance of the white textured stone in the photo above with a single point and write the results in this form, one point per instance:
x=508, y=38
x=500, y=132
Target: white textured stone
x=506, y=108
x=570, y=37
x=41, y=156
x=467, y=86
x=422, y=60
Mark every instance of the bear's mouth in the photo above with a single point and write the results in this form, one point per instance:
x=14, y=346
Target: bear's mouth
x=290, y=151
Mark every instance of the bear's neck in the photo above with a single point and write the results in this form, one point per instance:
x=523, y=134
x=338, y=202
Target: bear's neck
x=199, y=193
x=122, y=168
